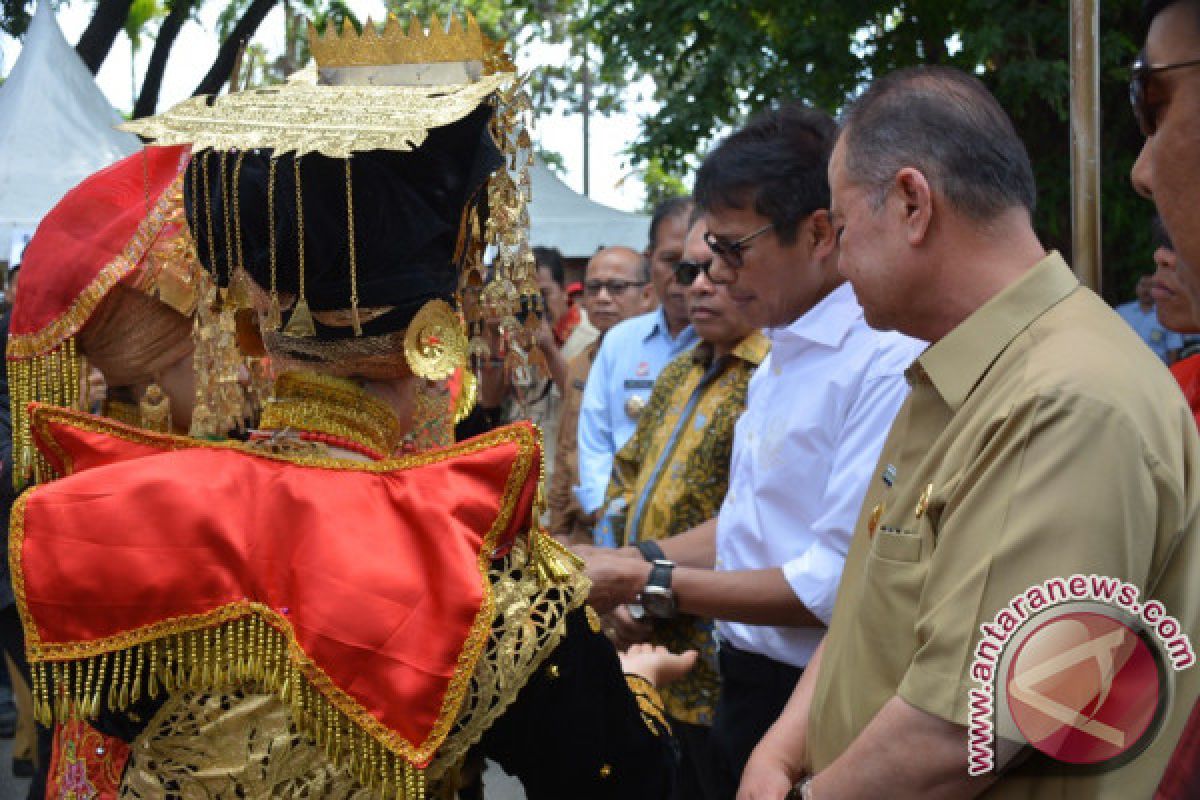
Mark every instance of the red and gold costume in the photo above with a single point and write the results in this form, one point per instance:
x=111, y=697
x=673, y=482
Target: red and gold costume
x=322, y=612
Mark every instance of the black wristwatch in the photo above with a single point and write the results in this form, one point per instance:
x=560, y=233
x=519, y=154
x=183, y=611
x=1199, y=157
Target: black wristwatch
x=651, y=551
x=658, y=598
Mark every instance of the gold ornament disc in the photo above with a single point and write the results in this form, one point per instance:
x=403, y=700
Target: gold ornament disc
x=435, y=343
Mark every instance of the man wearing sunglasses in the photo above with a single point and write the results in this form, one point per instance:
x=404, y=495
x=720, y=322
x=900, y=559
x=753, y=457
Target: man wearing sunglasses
x=630, y=359
x=672, y=475
x=767, y=568
x=1165, y=90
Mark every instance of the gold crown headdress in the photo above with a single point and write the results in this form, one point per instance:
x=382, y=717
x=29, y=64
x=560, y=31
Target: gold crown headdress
x=386, y=89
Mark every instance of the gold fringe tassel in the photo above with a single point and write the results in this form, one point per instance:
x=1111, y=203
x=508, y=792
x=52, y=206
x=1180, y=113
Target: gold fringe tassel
x=55, y=378
x=246, y=651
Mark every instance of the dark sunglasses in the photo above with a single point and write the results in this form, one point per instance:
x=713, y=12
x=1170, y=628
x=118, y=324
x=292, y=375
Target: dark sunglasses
x=686, y=272
x=1140, y=74
x=732, y=252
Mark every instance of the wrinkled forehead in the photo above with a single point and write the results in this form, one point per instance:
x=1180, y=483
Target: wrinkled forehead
x=614, y=265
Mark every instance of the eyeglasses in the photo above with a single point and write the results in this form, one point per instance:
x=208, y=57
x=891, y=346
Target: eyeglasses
x=1140, y=74
x=593, y=288
x=731, y=252
x=686, y=272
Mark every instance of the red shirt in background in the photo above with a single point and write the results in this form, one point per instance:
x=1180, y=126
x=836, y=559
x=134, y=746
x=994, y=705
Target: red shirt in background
x=1187, y=372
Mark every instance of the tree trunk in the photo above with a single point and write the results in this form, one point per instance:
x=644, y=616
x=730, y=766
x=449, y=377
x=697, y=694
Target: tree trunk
x=147, y=101
x=218, y=74
x=101, y=32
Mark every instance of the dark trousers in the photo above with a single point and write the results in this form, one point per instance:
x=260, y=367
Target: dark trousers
x=754, y=690
x=12, y=640
x=695, y=762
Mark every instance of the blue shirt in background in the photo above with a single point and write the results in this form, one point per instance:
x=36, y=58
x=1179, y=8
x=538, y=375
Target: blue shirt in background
x=619, y=384
x=1156, y=337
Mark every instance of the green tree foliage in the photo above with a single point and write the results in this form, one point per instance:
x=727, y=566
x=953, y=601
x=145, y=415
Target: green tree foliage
x=714, y=62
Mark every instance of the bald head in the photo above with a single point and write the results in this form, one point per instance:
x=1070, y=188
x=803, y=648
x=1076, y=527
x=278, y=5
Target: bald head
x=616, y=286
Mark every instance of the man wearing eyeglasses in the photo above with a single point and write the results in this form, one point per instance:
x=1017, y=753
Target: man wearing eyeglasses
x=615, y=289
x=767, y=568
x=629, y=361
x=1165, y=90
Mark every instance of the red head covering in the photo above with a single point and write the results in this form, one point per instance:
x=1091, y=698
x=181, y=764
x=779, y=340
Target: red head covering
x=96, y=236
x=124, y=224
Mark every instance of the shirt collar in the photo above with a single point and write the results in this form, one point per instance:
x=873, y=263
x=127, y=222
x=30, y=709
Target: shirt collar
x=957, y=362
x=658, y=327
x=752, y=349
x=827, y=323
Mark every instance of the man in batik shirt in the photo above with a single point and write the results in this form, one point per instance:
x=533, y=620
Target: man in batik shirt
x=672, y=475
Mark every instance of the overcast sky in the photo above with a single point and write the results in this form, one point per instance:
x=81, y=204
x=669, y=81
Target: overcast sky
x=194, y=50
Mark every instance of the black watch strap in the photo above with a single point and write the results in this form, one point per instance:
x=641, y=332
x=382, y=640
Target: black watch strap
x=651, y=551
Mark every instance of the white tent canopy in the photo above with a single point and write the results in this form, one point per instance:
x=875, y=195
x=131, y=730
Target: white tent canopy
x=577, y=226
x=56, y=128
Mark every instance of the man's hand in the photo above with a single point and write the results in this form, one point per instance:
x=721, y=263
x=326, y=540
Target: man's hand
x=762, y=780
x=657, y=664
x=623, y=630
x=616, y=579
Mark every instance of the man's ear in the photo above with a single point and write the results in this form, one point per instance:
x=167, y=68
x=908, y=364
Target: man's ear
x=649, y=297
x=916, y=198
x=821, y=233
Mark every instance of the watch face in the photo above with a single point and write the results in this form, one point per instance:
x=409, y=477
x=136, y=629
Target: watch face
x=659, y=602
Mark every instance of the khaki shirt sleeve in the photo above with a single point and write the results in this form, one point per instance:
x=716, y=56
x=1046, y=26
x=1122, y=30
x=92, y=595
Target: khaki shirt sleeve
x=1062, y=485
x=560, y=500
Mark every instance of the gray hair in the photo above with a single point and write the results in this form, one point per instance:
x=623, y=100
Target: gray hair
x=946, y=124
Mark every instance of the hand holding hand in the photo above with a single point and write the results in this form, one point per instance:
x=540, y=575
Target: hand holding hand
x=616, y=580
x=623, y=630
x=657, y=664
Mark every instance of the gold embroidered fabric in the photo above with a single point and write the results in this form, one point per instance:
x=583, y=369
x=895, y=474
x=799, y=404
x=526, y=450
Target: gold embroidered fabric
x=302, y=117
x=529, y=623
x=230, y=745
x=236, y=744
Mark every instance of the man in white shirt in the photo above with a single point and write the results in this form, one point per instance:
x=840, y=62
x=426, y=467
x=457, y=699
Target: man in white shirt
x=767, y=568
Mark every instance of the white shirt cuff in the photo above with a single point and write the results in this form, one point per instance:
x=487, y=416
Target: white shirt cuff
x=814, y=577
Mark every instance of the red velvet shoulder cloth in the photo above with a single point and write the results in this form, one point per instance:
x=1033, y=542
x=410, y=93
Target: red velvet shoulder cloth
x=357, y=592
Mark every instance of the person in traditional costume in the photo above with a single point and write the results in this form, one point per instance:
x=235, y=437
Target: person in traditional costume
x=349, y=603
x=111, y=287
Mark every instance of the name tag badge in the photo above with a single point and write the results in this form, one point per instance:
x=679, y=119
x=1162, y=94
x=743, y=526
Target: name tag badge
x=633, y=384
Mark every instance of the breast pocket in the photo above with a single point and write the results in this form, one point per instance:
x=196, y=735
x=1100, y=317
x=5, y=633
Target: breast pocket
x=896, y=569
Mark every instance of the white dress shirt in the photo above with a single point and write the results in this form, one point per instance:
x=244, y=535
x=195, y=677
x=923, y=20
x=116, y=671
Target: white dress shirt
x=817, y=413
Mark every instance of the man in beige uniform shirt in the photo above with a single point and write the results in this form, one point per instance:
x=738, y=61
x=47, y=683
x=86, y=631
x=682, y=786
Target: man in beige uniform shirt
x=1041, y=439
